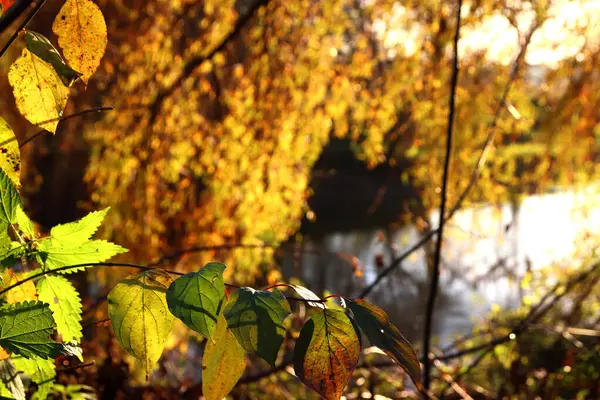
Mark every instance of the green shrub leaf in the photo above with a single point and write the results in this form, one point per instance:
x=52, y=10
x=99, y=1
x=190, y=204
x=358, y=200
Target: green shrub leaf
x=138, y=312
x=42, y=372
x=65, y=304
x=327, y=352
x=79, y=232
x=25, y=329
x=383, y=334
x=256, y=319
x=25, y=223
x=195, y=298
x=223, y=363
x=9, y=199
x=55, y=256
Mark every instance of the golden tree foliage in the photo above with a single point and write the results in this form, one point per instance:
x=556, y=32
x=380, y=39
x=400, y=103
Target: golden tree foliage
x=213, y=147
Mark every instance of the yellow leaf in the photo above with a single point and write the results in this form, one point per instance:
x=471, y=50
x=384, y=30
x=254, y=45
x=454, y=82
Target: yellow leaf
x=40, y=94
x=21, y=293
x=81, y=32
x=10, y=157
x=138, y=312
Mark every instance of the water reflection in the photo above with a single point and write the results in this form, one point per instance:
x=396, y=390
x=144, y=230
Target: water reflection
x=486, y=253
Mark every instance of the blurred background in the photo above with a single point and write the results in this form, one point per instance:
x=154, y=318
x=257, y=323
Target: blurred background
x=303, y=141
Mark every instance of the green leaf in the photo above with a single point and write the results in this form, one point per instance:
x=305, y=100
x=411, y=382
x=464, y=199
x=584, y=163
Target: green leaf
x=25, y=223
x=9, y=199
x=256, y=319
x=65, y=304
x=223, y=362
x=138, y=312
x=42, y=372
x=41, y=47
x=308, y=294
x=25, y=329
x=10, y=155
x=9, y=376
x=327, y=352
x=55, y=256
x=4, y=392
x=77, y=233
x=195, y=298
x=383, y=334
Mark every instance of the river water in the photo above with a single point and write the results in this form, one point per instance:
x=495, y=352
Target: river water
x=486, y=252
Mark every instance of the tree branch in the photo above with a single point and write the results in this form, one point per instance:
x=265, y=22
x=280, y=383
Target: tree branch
x=435, y=272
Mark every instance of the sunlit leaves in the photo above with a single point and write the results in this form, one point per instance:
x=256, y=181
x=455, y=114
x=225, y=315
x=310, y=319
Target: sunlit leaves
x=256, y=319
x=383, y=334
x=25, y=223
x=40, y=93
x=23, y=292
x=25, y=329
x=196, y=298
x=223, y=363
x=9, y=199
x=41, y=47
x=78, y=232
x=42, y=372
x=81, y=32
x=55, y=255
x=327, y=352
x=10, y=156
x=138, y=311
x=65, y=304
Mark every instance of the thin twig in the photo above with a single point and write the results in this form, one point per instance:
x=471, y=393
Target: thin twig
x=77, y=114
x=435, y=272
x=78, y=366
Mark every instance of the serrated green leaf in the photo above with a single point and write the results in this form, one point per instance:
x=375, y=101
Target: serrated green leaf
x=9, y=376
x=223, y=362
x=327, y=352
x=39, y=45
x=256, y=319
x=9, y=199
x=42, y=372
x=138, y=312
x=10, y=155
x=195, y=298
x=76, y=233
x=12, y=253
x=65, y=304
x=55, y=256
x=25, y=329
x=383, y=334
x=25, y=223
x=308, y=294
